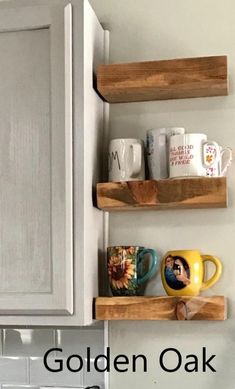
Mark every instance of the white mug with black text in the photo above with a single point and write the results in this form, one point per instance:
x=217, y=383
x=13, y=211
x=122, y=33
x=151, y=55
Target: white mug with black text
x=126, y=160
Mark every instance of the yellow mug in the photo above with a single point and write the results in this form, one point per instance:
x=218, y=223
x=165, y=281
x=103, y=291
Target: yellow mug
x=183, y=272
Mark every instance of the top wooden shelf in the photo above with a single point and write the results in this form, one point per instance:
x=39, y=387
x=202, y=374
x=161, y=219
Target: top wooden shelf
x=162, y=80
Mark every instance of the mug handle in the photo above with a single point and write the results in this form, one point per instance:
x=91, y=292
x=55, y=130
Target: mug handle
x=136, y=159
x=206, y=162
x=218, y=270
x=153, y=266
x=225, y=160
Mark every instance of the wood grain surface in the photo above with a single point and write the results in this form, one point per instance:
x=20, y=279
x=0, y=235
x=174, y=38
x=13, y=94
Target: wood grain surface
x=161, y=80
x=161, y=308
x=163, y=194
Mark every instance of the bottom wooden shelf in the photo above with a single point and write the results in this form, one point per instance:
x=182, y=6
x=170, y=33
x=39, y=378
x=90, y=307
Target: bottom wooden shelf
x=161, y=308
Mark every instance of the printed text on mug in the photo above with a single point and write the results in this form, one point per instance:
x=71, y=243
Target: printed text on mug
x=181, y=155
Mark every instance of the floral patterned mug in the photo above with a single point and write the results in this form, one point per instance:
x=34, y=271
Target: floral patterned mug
x=216, y=159
x=129, y=267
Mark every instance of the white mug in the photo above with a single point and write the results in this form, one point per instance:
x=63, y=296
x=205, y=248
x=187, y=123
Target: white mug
x=126, y=160
x=188, y=155
x=191, y=155
x=158, y=150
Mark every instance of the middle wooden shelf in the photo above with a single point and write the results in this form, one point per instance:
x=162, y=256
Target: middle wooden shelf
x=202, y=192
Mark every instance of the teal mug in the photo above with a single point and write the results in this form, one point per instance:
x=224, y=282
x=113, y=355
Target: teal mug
x=129, y=268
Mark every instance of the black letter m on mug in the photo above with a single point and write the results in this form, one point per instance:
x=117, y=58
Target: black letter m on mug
x=114, y=157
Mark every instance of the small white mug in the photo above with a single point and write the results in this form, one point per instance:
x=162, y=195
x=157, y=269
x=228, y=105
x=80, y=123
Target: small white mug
x=191, y=155
x=126, y=160
x=158, y=150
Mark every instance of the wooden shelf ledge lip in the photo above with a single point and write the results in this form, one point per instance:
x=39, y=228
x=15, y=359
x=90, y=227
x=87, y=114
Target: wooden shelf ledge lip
x=163, y=194
x=165, y=79
x=161, y=308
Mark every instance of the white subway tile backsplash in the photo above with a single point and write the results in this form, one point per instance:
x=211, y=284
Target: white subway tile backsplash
x=39, y=375
x=27, y=342
x=94, y=377
x=76, y=342
x=21, y=363
x=13, y=370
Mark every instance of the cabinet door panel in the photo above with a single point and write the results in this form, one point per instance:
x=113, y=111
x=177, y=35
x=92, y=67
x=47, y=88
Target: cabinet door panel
x=36, y=264
x=25, y=174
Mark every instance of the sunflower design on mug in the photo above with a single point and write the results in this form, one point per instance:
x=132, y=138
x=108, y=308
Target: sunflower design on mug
x=120, y=271
x=129, y=267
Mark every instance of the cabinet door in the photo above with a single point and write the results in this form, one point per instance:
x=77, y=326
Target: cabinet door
x=36, y=258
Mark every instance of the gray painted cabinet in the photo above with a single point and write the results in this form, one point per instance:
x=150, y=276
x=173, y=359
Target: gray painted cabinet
x=51, y=123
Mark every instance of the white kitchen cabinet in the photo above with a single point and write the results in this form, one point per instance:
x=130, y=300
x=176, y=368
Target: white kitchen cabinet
x=51, y=124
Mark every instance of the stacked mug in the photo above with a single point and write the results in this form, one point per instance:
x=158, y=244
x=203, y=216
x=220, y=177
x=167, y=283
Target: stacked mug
x=173, y=153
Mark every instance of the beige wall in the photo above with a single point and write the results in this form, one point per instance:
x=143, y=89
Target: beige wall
x=162, y=29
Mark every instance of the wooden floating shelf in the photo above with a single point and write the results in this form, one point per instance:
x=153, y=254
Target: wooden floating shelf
x=161, y=308
x=162, y=80
x=163, y=194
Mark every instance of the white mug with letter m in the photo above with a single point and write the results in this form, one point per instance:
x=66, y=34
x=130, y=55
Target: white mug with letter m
x=126, y=160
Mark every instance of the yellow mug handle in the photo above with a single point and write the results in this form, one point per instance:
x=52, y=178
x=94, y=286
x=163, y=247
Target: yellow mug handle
x=218, y=270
